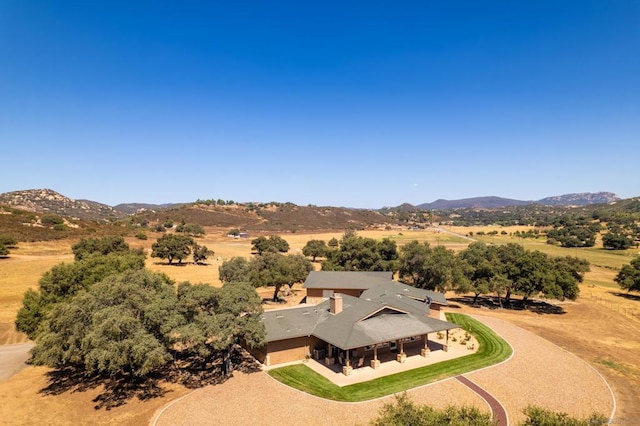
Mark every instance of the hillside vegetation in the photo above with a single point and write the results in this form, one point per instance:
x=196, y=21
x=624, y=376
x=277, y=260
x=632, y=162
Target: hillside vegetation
x=27, y=226
x=271, y=217
x=48, y=201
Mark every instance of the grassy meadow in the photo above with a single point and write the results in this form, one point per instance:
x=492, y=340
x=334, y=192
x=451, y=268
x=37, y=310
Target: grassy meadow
x=26, y=264
x=602, y=326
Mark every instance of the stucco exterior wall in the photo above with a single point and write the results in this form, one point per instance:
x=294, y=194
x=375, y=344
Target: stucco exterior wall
x=288, y=350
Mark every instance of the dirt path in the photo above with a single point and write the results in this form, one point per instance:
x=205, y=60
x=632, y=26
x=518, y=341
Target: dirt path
x=539, y=373
x=498, y=411
x=12, y=359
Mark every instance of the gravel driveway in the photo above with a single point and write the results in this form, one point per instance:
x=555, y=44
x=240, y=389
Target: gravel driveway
x=538, y=373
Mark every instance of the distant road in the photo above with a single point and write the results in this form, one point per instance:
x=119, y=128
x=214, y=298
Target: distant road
x=446, y=231
x=12, y=359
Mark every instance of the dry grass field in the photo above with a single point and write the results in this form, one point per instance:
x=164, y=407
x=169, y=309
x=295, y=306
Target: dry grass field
x=602, y=326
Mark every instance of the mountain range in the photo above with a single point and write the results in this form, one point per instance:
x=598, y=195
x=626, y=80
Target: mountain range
x=48, y=201
x=578, y=199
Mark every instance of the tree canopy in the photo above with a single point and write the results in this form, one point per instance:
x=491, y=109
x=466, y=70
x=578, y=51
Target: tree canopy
x=103, y=246
x=356, y=253
x=483, y=269
x=201, y=253
x=629, y=276
x=617, y=240
x=273, y=244
x=430, y=268
x=191, y=229
x=172, y=246
x=315, y=248
x=235, y=269
x=107, y=318
x=7, y=242
x=270, y=269
x=403, y=412
x=273, y=269
x=64, y=281
x=135, y=323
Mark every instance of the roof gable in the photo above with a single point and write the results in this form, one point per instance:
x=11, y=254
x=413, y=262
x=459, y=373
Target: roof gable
x=386, y=310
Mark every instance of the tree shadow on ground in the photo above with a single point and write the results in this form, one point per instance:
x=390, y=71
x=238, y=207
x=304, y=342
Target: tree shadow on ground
x=536, y=306
x=628, y=296
x=117, y=390
x=171, y=264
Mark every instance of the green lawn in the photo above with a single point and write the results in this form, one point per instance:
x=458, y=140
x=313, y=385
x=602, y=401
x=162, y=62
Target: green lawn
x=492, y=349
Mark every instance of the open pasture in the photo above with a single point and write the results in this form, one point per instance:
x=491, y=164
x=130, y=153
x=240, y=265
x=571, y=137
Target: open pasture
x=600, y=326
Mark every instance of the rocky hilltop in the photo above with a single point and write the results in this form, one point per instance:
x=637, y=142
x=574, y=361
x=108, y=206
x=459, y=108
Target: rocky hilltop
x=49, y=201
x=580, y=199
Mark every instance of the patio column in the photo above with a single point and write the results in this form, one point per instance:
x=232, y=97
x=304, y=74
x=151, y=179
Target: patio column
x=375, y=362
x=347, y=369
x=329, y=358
x=425, y=351
x=401, y=357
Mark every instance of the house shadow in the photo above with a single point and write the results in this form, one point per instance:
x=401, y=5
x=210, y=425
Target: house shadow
x=485, y=302
x=628, y=296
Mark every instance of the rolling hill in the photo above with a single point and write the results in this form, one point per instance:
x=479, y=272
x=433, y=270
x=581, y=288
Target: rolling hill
x=578, y=199
x=49, y=201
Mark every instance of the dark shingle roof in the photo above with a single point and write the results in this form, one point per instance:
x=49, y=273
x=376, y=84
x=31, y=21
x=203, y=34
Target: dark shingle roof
x=365, y=322
x=288, y=323
x=350, y=280
x=386, y=311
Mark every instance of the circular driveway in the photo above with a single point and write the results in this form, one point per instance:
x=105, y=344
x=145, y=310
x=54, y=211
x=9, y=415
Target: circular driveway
x=538, y=373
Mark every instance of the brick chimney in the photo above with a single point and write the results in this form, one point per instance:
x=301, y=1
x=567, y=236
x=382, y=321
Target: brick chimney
x=335, y=302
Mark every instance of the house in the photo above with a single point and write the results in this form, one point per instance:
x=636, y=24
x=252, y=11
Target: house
x=321, y=285
x=349, y=317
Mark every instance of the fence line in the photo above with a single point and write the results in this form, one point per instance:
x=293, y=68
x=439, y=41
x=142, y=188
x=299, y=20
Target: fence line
x=624, y=310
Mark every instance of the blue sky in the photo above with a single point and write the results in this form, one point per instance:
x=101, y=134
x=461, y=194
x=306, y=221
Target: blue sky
x=360, y=104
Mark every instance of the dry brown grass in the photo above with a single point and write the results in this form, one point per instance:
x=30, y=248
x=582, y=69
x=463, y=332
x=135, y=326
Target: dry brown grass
x=600, y=327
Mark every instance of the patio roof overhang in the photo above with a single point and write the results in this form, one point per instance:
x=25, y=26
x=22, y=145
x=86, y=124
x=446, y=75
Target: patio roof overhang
x=380, y=329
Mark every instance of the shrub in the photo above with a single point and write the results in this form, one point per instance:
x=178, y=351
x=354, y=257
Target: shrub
x=51, y=220
x=141, y=236
x=8, y=241
x=537, y=416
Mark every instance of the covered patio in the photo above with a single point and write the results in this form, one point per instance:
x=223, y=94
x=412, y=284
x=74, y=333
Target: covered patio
x=376, y=335
x=388, y=363
x=387, y=324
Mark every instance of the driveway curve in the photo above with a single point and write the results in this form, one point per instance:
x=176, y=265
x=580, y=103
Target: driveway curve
x=13, y=358
x=499, y=413
x=538, y=373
